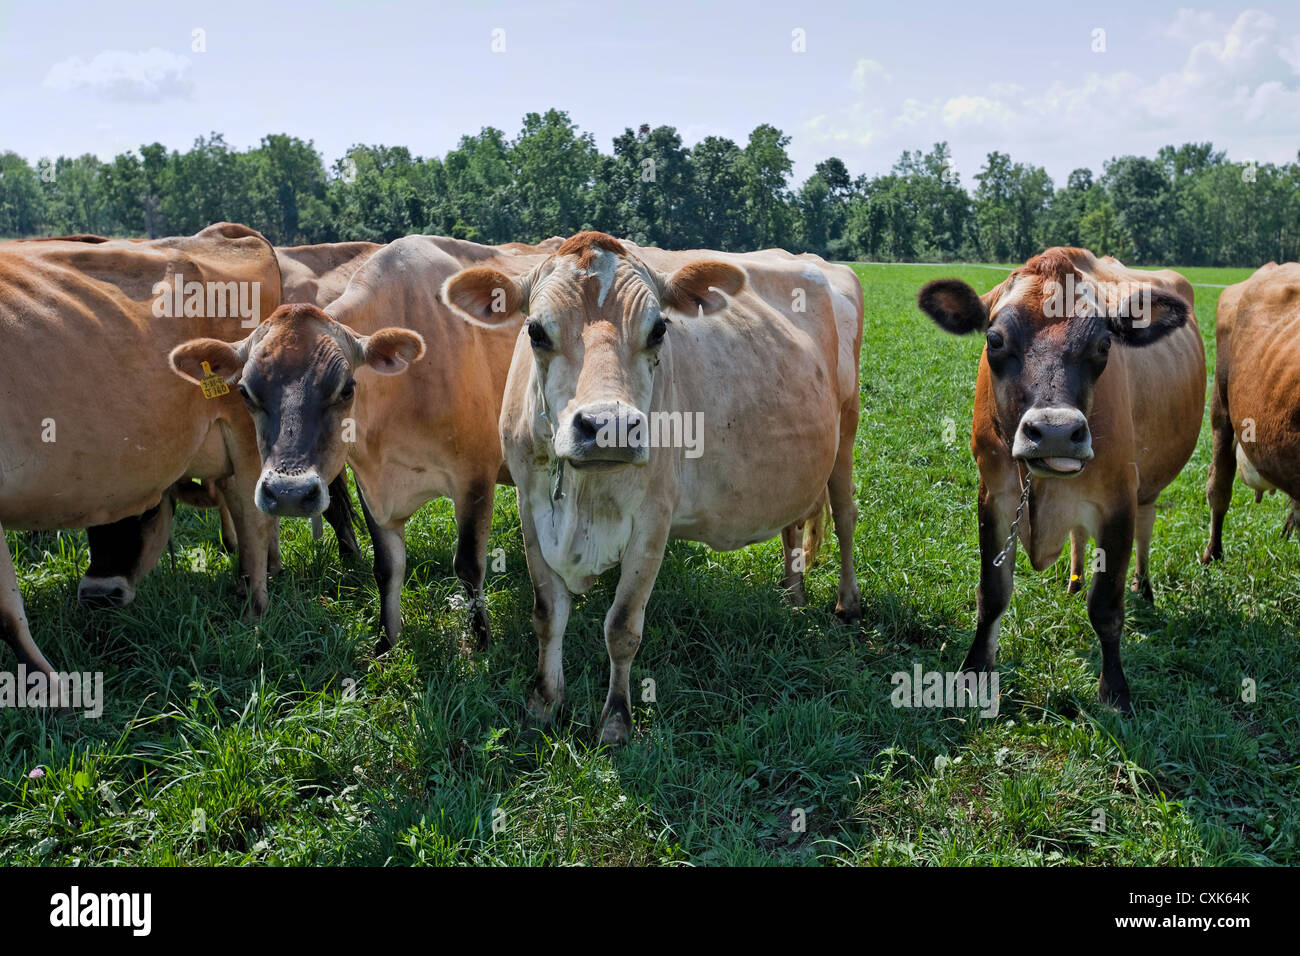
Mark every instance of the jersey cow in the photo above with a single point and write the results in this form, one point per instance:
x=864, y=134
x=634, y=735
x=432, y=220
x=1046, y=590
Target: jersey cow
x=122, y=553
x=630, y=418
x=1088, y=402
x=322, y=391
x=1255, y=399
x=92, y=427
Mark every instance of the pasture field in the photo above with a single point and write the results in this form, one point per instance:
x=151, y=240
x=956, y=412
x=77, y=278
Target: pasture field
x=290, y=743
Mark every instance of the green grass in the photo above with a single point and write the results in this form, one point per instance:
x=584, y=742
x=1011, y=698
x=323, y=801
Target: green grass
x=299, y=747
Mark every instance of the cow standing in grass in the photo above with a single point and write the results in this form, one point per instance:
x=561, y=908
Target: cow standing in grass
x=613, y=346
x=324, y=390
x=1255, y=401
x=123, y=552
x=1089, y=400
x=92, y=426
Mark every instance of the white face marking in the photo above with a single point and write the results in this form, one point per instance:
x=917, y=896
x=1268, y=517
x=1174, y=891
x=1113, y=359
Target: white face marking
x=603, y=266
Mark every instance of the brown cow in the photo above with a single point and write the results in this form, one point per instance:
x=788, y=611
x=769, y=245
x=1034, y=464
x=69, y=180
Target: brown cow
x=321, y=390
x=1255, y=402
x=91, y=429
x=611, y=373
x=1101, y=430
x=122, y=553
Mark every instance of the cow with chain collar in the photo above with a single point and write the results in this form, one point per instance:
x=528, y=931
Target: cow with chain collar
x=1088, y=403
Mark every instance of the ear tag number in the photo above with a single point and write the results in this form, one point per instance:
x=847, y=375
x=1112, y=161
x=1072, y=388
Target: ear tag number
x=214, y=386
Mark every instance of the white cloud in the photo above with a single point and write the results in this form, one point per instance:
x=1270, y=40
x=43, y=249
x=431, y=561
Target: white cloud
x=868, y=74
x=978, y=111
x=148, y=75
x=1237, y=84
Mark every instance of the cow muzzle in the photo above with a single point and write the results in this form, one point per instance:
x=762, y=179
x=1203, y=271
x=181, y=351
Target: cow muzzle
x=1053, y=442
x=291, y=496
x=115, y=591
x=603, y=436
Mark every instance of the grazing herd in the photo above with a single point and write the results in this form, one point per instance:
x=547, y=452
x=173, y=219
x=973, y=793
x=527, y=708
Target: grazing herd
x=632, y=395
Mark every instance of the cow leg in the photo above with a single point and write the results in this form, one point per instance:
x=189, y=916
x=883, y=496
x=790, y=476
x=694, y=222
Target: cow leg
x=623, y=625
x=796, y=560
x=1106, y=607
x=996, y=583
x=1223, y=469
x=390, y=574
x=551, y=603
x=473, y=527
x=274, y=560
x=844, y=513
x=229, y=536
x=13, y=620
x=1144, y=526
x=339, y=514
x=1078, y=548
x=253, y=533
x=122, y=553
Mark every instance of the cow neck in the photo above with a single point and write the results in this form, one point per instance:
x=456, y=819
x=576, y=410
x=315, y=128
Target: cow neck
x=555, y=465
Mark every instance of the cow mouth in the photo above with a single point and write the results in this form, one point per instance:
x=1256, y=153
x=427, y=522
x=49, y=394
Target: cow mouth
x=598, y=465
x=1055, y=466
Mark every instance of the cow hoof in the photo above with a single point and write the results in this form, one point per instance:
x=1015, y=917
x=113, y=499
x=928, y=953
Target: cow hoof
x=614, y=729
x=99, y=593
x=849, y=613
x=795, y=594
x=1143, y=589
x=542, y=708
x=1119, y=698
x=1075, y=585
x=1212, y=554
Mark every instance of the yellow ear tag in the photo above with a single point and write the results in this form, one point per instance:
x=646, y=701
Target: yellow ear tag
x=214, y=386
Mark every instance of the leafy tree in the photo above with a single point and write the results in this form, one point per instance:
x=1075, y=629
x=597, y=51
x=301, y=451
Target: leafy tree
x=22, y=202
x=553, y=166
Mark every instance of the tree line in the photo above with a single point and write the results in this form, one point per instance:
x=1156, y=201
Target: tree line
x=1188, y=205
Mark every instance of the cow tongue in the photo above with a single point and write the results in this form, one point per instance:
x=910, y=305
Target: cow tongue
x=1062, y=464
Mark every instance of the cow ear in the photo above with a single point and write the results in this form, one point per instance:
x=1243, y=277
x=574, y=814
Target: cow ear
x=224, y=358
x=484, y=296
x=954, y=306
x=699, y=286
x=391, y=351
x=1148, y=316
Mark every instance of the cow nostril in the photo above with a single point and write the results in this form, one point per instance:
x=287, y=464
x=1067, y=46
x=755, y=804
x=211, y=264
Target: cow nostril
x=1079, y=435
x=585, y=427
x=1033, y=433
x=312, y=496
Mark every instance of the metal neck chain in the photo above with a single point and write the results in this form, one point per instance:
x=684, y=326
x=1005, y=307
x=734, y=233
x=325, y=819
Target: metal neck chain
x=1015, y=525
x=556, y=470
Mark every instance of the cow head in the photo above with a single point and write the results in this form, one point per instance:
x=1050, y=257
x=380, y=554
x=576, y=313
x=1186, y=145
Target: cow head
x=597, y=325
x=1048, y=333
x=296, y=375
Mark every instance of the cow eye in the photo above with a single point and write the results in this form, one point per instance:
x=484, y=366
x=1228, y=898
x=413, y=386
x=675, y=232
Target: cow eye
x=537, y=335
x=657, y=333
x=1103, y=345
x=247, y=396
x=995, y=340
x=348, y=391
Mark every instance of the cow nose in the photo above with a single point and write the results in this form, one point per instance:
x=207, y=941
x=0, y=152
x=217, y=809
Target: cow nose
x=1056, y=436
x=114, y=591
x=291, y=496
x=608, y=432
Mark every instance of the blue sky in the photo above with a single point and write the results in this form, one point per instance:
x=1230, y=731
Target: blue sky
x=873, y=78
